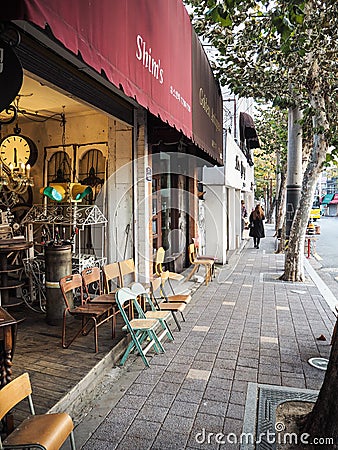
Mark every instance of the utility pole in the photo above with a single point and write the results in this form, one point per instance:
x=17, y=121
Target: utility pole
x=294, y=166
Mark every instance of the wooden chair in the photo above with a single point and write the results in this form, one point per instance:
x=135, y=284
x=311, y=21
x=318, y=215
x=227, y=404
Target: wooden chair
x=113, y=281
x=159, y=260
x=90, y=313
x=180, y=298
x=94, y=294
x=142, y=331
x=159, y=269
x=196, y=263
x=44, y=431
x=112, y=277
x=200, y=257
x=162, y=303
x=128, y=276
x=162, y=316
x=127, y=269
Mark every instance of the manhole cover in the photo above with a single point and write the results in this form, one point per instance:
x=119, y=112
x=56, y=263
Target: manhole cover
x=319, y=363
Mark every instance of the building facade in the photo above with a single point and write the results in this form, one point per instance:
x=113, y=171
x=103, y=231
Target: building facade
x=116, y=99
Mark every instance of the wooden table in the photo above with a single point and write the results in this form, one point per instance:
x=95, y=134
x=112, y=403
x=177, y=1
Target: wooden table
x=8, y=329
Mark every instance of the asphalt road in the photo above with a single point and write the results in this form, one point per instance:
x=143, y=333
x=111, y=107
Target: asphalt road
x=327, y=242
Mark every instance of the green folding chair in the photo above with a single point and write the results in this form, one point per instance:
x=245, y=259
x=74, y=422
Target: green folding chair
x=142, y=331
x=162, y=316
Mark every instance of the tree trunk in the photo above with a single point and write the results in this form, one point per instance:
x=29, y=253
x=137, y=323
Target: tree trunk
x=293, y=267
x=322, y=421
x=272, y=206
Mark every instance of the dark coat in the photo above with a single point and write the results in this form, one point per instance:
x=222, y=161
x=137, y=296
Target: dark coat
x=256, y=227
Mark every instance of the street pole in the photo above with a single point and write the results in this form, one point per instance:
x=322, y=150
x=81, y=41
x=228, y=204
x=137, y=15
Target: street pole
x=278, y=185
x=294, y=166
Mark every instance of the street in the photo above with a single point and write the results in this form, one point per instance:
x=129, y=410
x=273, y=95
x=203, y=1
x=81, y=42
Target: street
x=327, y=245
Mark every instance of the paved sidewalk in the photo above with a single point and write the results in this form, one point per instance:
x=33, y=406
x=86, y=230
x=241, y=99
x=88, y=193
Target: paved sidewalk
x=246, y=326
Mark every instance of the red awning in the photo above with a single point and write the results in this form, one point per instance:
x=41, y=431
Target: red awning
x=122, y=39
x=142, y=46
x=334, y=201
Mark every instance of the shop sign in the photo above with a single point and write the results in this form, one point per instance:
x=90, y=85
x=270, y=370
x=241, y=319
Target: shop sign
x=207, y=117
x=159, y=62
x=11, y=75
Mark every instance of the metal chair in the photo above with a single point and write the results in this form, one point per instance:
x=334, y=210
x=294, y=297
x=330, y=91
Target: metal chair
x=162, y=303
x=90, y=313
x=94, y=294
x=162, y=316
x=43, y=431
x=142, y=331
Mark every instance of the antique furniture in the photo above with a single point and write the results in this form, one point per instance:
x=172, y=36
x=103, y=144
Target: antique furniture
x=93, y=288
x=8, y=329
x=152, y=313
x=91, y=315
x=197, y=262
x=162, y=303
x=142, y=331
x=45, y=431
x=7, y=283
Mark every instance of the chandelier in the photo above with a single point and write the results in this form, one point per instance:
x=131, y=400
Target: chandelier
x=16, y=179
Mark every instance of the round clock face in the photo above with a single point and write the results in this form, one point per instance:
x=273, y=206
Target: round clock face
x=17, y=149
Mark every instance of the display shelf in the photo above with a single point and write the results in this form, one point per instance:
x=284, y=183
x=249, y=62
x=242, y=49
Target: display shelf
x=65, y=214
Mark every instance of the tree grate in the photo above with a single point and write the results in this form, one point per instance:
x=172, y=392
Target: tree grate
x=260, y=412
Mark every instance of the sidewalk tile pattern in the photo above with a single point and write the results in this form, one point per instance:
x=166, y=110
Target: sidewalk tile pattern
x=243, y=327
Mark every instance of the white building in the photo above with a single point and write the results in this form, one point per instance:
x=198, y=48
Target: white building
x=224, y=188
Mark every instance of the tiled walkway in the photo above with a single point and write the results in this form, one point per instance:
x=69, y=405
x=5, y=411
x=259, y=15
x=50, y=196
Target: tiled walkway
x=246, y=326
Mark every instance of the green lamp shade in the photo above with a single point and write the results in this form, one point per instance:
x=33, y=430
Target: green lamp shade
x=56, y=193
x=79, y=191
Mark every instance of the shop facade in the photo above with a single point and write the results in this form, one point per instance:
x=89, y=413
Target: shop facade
x=119, y=101
x=225, y=187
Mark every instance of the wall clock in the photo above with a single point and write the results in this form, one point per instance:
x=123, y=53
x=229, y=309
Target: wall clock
x=16, y=149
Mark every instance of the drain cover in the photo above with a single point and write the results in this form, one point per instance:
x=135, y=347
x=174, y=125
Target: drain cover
x=319, y=363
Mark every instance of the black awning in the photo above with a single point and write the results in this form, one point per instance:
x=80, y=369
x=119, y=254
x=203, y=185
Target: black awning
x=247, y=131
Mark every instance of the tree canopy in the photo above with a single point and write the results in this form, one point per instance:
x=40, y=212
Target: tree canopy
x=271, y=126
x=283, y=52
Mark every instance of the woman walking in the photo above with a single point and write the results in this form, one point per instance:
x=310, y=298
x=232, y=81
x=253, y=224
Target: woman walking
x=256, y=225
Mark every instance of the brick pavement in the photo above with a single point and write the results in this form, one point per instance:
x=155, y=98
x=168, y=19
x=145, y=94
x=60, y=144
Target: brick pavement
x=246, y=326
